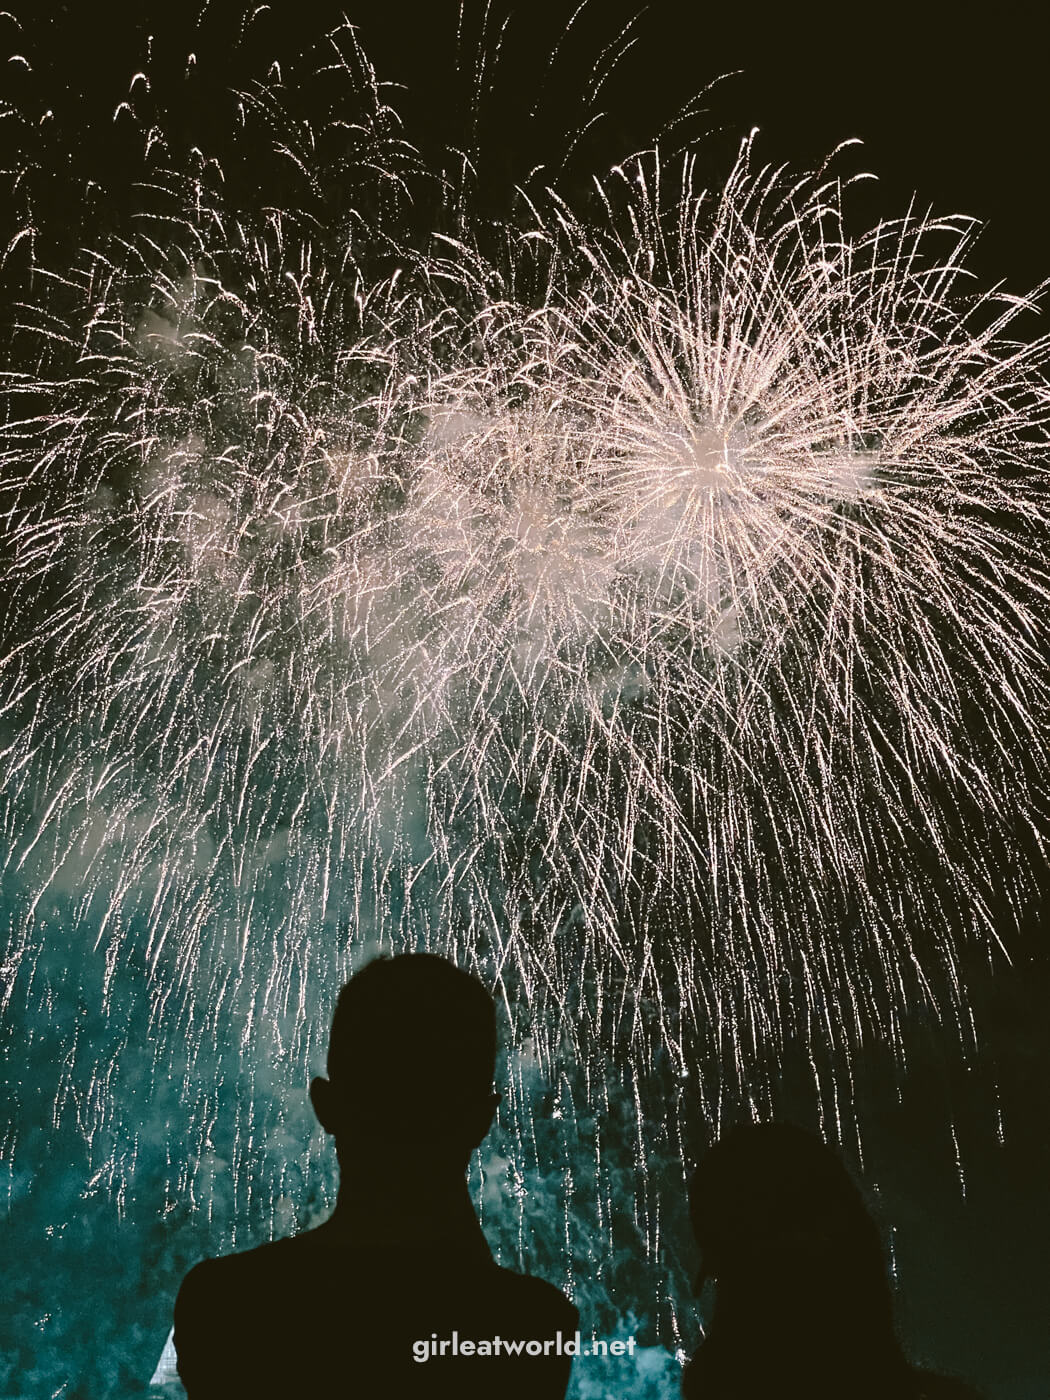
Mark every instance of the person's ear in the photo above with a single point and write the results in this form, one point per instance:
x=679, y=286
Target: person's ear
x=322, y=1097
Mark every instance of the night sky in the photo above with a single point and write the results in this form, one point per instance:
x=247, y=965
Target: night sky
x=950, y=110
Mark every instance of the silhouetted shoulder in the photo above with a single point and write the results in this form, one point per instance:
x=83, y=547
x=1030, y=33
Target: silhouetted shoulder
x=303, y=1317
x=216, y=1292
x=700, y=1383
x=933, y=1387
x=300, y=1253
x=541, y=1309
x=533, y=1294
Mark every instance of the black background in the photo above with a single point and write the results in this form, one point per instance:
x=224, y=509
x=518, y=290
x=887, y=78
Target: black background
x=950, y=108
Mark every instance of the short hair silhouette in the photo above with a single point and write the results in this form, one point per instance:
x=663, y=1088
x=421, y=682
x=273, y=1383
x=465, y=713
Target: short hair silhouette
x=802, y=1301
x=411, y=1059
x=413, y=1020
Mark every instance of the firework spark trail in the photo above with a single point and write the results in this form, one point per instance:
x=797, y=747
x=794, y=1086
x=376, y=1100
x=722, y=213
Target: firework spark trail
x=657, y=644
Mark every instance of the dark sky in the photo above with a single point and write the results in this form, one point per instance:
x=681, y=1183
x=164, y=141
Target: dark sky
x=949, y=108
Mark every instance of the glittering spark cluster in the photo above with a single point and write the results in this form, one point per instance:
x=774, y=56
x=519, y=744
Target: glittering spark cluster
x=644, y=606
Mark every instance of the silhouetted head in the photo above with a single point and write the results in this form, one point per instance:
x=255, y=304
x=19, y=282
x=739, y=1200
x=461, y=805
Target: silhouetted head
x=775, y=1192
x=411, y=1061
x=797, y=1264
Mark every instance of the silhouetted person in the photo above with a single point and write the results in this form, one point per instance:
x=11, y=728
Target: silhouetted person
x=347, y=1309
x=802, y=1306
